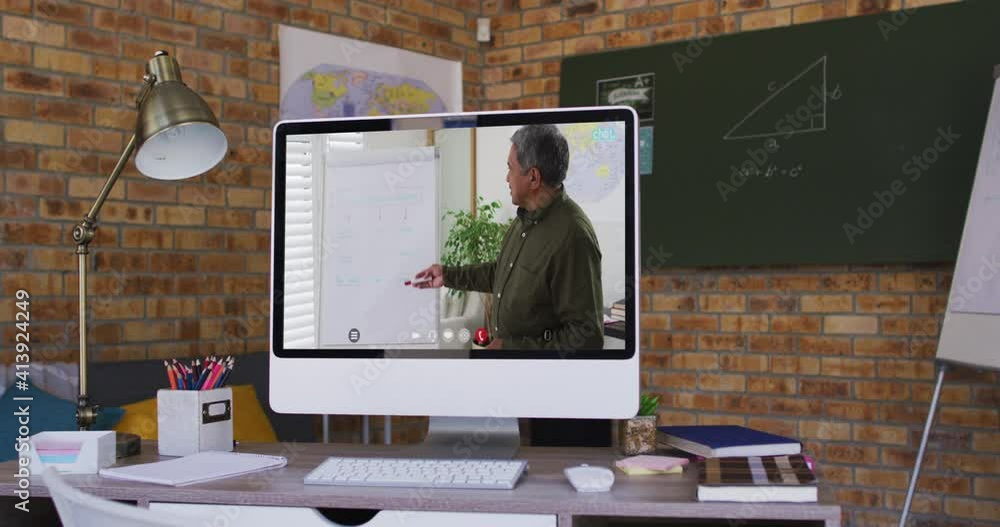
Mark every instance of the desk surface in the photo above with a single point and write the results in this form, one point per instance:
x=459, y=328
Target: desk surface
x=542, y=490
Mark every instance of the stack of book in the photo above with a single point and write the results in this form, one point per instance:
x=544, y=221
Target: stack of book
x=744, y=465
x=618, y=310
x=614, y=325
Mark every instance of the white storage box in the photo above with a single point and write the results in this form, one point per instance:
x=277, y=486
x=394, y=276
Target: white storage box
x=191, y=421
x=72, y=452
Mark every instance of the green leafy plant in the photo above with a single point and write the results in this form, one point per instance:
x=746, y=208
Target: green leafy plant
x=475, y=237
x=648, y=404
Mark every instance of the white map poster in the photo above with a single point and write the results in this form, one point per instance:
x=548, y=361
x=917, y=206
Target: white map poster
x=326, y=76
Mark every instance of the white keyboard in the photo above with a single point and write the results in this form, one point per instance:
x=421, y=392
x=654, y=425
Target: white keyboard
x=401, y=472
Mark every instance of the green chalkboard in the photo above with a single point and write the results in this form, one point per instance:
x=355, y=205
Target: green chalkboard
x=846, y=141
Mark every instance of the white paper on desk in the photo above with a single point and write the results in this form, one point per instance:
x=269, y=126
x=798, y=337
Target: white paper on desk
x=196, y=468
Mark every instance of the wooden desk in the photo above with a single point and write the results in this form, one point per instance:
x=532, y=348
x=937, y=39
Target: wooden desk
x=542, y=490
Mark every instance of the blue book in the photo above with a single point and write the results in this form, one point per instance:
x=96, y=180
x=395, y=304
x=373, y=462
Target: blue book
x=727, y=441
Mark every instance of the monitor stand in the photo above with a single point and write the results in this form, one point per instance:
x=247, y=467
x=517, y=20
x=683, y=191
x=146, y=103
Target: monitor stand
x=470, y=438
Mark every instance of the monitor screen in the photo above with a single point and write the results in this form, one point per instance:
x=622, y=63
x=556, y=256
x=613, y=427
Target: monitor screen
x=450, y=236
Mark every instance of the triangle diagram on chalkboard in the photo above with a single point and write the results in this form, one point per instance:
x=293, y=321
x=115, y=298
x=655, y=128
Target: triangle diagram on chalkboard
x=796, y=107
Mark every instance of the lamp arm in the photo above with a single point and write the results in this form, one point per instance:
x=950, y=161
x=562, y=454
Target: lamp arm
x=83, y=234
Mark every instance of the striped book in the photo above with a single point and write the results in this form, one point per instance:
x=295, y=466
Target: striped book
x=757, y=479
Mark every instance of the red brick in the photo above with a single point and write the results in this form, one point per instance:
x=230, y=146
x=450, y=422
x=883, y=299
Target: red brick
x=313, y=19
x=93, y=90
x=32, y=30
x=663, y=302
x=541, y=51
x=221, y=263
x=770, y=384
x=200, y=240
x=745, y=323
x=876, y=347
x=796, y=407
x=15, y=106
x=825, y=430
x=695, y=322
x=95, y=139
x=906, y=369
x=841, y=367
x=822, y=388
x=881, y=390
x=854, y=411
x=825, y=345
x=772, y=303
x=696, y=9
x=795, y=324
x=655, y=17
x=604, y=23
x=32, y=234
x=37, y=284
x=880, y=478
x=587, y=44
x=725, y=383
x=722, y=342
x=35, y=83
x=224, y=43
x=743, y=363
x=268, y=9
x=868, y=7
x=968, y=417
x=548, y=17
x=772, y=343
x=852, y=454
x=790, y=283
x=883, y=304
x=907, y=282
x=147, y=238
x=915, y=326
x=722, y=303
x=12, y=52
x=827, y=303
x=889, y=435
x=849, y=282
x=840, y=324
x=671, y=341
x=15, y=259
x=800, y=365
x=180, y=215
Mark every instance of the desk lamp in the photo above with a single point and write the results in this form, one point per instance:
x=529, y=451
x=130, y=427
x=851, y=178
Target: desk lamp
x=177, y=136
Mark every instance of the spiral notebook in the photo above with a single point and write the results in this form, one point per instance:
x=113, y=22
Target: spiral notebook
x=196, y=468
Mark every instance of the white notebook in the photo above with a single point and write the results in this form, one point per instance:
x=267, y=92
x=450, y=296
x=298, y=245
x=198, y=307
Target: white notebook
x=196, y=468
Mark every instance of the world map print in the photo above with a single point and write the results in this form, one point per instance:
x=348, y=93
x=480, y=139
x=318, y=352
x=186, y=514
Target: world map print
x=596, y=159
x=335, y=91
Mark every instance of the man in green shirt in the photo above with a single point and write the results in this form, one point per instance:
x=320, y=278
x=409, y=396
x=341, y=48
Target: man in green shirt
x=546, y=282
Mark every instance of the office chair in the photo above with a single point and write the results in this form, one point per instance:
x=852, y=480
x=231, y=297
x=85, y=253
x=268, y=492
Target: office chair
x=78, y=509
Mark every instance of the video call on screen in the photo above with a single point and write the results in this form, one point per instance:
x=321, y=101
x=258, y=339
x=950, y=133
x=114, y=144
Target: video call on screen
x=366, y=212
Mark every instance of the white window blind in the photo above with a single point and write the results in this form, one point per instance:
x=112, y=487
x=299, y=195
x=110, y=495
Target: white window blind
x=300, y=241
x=304, y=169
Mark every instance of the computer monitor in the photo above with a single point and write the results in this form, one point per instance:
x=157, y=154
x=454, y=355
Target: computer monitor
x=459, y=265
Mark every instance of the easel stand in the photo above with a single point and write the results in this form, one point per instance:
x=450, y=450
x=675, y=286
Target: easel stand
x=931, y=413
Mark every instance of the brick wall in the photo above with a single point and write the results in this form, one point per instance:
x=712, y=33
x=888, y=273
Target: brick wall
x=177, y=267
x=839, y=356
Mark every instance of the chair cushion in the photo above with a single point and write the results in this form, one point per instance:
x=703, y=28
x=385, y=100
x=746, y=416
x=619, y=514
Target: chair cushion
x=250, y=423
x=46, y=413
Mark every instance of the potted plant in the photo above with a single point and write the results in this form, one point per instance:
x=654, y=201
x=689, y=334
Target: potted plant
x=638, y=434
x=475, y=238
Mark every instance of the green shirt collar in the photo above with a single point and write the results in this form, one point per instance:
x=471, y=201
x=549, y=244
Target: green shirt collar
x=538, y=214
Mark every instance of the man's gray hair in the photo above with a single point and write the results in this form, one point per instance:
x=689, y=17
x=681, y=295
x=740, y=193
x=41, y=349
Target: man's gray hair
x=542, y=146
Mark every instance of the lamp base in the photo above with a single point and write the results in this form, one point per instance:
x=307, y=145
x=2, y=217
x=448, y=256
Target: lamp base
x=127, y=445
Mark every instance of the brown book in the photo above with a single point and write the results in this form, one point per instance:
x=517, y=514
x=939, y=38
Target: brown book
x=757, y=479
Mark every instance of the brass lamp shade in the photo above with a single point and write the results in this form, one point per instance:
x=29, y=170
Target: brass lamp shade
x=178, y=135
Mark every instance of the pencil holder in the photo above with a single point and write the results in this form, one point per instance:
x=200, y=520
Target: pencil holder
x=191, y=421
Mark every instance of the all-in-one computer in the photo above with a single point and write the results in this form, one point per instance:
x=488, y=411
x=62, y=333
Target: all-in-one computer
x=471, y=267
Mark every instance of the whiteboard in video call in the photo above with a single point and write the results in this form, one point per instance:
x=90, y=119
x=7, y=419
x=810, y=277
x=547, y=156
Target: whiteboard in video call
x=380, y=224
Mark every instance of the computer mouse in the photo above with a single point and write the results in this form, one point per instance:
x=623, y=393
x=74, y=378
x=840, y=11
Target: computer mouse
x=586, y=478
